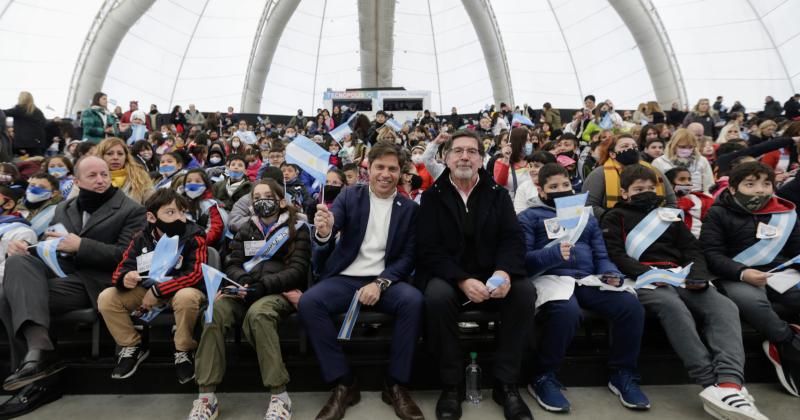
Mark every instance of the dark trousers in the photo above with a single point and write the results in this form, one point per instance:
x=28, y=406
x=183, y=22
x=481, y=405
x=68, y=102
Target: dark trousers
x=443, y=303
x=31, y=292
x=562, y=318
x=755, y=307
x=332, y=296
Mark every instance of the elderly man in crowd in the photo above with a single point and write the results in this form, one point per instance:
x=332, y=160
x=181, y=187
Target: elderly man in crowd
x=470, y=248
x=95, y=228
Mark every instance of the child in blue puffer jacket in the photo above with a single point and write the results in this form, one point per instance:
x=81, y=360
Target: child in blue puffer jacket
x=567, y=277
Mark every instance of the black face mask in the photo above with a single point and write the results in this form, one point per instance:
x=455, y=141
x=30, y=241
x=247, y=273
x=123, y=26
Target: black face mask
x=89, y=201
x=265, y=207
x=416, y=182
x=648, y=200
x=176, y=228
x=628, y=157
x=550, y=201
x=331, y=192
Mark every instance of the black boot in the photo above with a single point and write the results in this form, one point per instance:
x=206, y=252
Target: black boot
x=514, y=407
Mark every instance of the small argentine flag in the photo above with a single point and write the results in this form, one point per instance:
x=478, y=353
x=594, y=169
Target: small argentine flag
x=394, y=124
x=339, y=132
x=309, y=156
x=519, y=118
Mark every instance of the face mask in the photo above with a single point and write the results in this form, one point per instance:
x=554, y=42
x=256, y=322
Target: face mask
x=194, y=190
x=416, y=182
x=683, y=153
x=235, y=144
x=528, y=148
x=215, y=160
x=167, y=169
x=5, y=179
x=235, y=174
x=265, y=207
x=291, y=135
x=681, y=190
x=331, y=192
x=649, y=200
x=416, y=159
x=751, y=202
x=264, y=146
x=57, y=171
x=176, y=228
x=164, y=135
x=628, y=157
x=550, y=201
x=36, y=194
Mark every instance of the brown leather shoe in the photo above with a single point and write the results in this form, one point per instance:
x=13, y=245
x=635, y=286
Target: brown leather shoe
x=341, y=398
x=399, y=398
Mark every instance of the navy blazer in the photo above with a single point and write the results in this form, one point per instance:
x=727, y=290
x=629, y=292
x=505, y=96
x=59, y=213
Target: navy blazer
x=350, y=216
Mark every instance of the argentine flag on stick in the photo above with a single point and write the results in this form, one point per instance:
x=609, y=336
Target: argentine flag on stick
x=394, y=124
x=521, y=119
x=47, y=252
x=309, y=156
x=570, y=208
x=213, y=278
x=339, y=132
x=657, y=275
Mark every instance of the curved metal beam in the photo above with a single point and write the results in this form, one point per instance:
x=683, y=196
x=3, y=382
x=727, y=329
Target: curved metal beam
x=376, y=39
x=263, y=52
x=494, y=53
x=110, y=25
x=186, y=51
x=435, y=58
x=644, y=23
x=774, y=45
x=319, y=46
x=5, y=9
x=569, y=51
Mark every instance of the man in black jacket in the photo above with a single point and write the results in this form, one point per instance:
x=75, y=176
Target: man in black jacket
x=468, y=233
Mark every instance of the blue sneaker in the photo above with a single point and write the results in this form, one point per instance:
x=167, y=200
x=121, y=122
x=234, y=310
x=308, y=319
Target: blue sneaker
x=625, y=384
x=547, y=391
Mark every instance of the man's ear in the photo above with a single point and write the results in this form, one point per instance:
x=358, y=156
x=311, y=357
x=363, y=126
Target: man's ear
x=151, y=218
x=623, y=193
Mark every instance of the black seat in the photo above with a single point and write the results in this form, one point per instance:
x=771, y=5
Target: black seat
x=86, y=316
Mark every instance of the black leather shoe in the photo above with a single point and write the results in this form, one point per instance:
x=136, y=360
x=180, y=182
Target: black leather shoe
x=514, y=407
x=29, y=398
x=448, y=407
x=38, y=364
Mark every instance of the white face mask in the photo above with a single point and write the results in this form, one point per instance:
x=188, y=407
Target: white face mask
x=416, y=159
x=33, y=197
x=215, y=160
x=235, y=144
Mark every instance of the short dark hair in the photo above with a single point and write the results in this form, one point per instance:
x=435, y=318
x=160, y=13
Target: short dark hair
x=541, y=157
x=235, y=156
x=277, y=146
x=163, y=197
x=175, y=155
x=551, y=170
x=292, y=165
x=464, y=133
x=636, y=172
x=740, y=172
x=673, y=173
x=658, y=140
x=49, y=178
x=203, y=176
x=350, y=167
x=589, y=97
x=272, y=172
x=339, y=173
x=381, y=149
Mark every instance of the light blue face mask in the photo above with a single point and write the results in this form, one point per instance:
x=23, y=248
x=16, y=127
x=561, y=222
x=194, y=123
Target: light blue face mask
x=36, y=194
x=528, y=148
x=235, y=174
x=57, y=171
x=167, y=169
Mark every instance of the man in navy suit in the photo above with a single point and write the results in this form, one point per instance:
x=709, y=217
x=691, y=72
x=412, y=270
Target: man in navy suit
x=374, y=254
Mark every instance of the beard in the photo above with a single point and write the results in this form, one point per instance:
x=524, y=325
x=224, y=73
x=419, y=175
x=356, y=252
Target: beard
x=463, y=172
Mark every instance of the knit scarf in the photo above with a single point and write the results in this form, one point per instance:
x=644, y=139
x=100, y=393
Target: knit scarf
x=119, y=177
x=612, y=169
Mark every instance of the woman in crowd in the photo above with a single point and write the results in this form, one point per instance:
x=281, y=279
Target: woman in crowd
x=97, y=122
x=29, y=123
x=703, y=114
x=511, y=171
x=766, y=131
x=178, y=119
x=126, y=174
x=61, y=169
x=683, y=151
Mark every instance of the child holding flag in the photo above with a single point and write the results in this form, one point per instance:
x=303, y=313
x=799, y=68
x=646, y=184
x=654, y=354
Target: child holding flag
x=747, y=234
x=133, y=289
x=641, y=235
x=570, y=275
x=270, y=257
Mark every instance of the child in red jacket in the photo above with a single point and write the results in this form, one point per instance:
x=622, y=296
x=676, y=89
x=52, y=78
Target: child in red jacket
x=694, y=204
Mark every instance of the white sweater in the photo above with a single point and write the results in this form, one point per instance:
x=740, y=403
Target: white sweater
x=702, y=175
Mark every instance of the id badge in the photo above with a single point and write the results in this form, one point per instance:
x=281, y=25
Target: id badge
x=553, y=228
x=144, y=262
x=765, y=231
x=252, y=247
x=668, y=216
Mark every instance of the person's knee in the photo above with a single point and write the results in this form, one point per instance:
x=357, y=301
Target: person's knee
x=565, y=311
x=108, y=300
x=263, y=310
x=13, y=262
x=188, y=299
x=309, y=302
x=439, y=293
x=412, y=300
x=627, y=307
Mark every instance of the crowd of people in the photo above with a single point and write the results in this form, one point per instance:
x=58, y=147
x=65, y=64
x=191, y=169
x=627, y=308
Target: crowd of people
x=689, y=216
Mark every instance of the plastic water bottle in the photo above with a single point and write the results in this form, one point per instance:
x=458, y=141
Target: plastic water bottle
x=474, y=380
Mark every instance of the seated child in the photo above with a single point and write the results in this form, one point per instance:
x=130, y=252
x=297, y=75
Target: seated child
x=234, y=185
x=555, y=269
x=295, y=187
x=41, y=198
x=694, y=204
x=748, y=232
x=13, y=227
x=717, y=366
x=528, y=193
x=183, y=289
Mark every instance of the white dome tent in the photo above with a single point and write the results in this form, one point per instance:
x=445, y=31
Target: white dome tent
x=275, y=56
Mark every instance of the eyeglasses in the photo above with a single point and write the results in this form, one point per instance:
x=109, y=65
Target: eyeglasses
x=471, y=152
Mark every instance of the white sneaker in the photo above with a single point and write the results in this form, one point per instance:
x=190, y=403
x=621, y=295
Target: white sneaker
x=202, y=410
x=278, y=409
x=730, y=404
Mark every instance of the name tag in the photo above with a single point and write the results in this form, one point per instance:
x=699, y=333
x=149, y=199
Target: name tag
x=765, y=231
x=553, y=228
x=251, y=247
x=144, y=262
x=668, y=216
